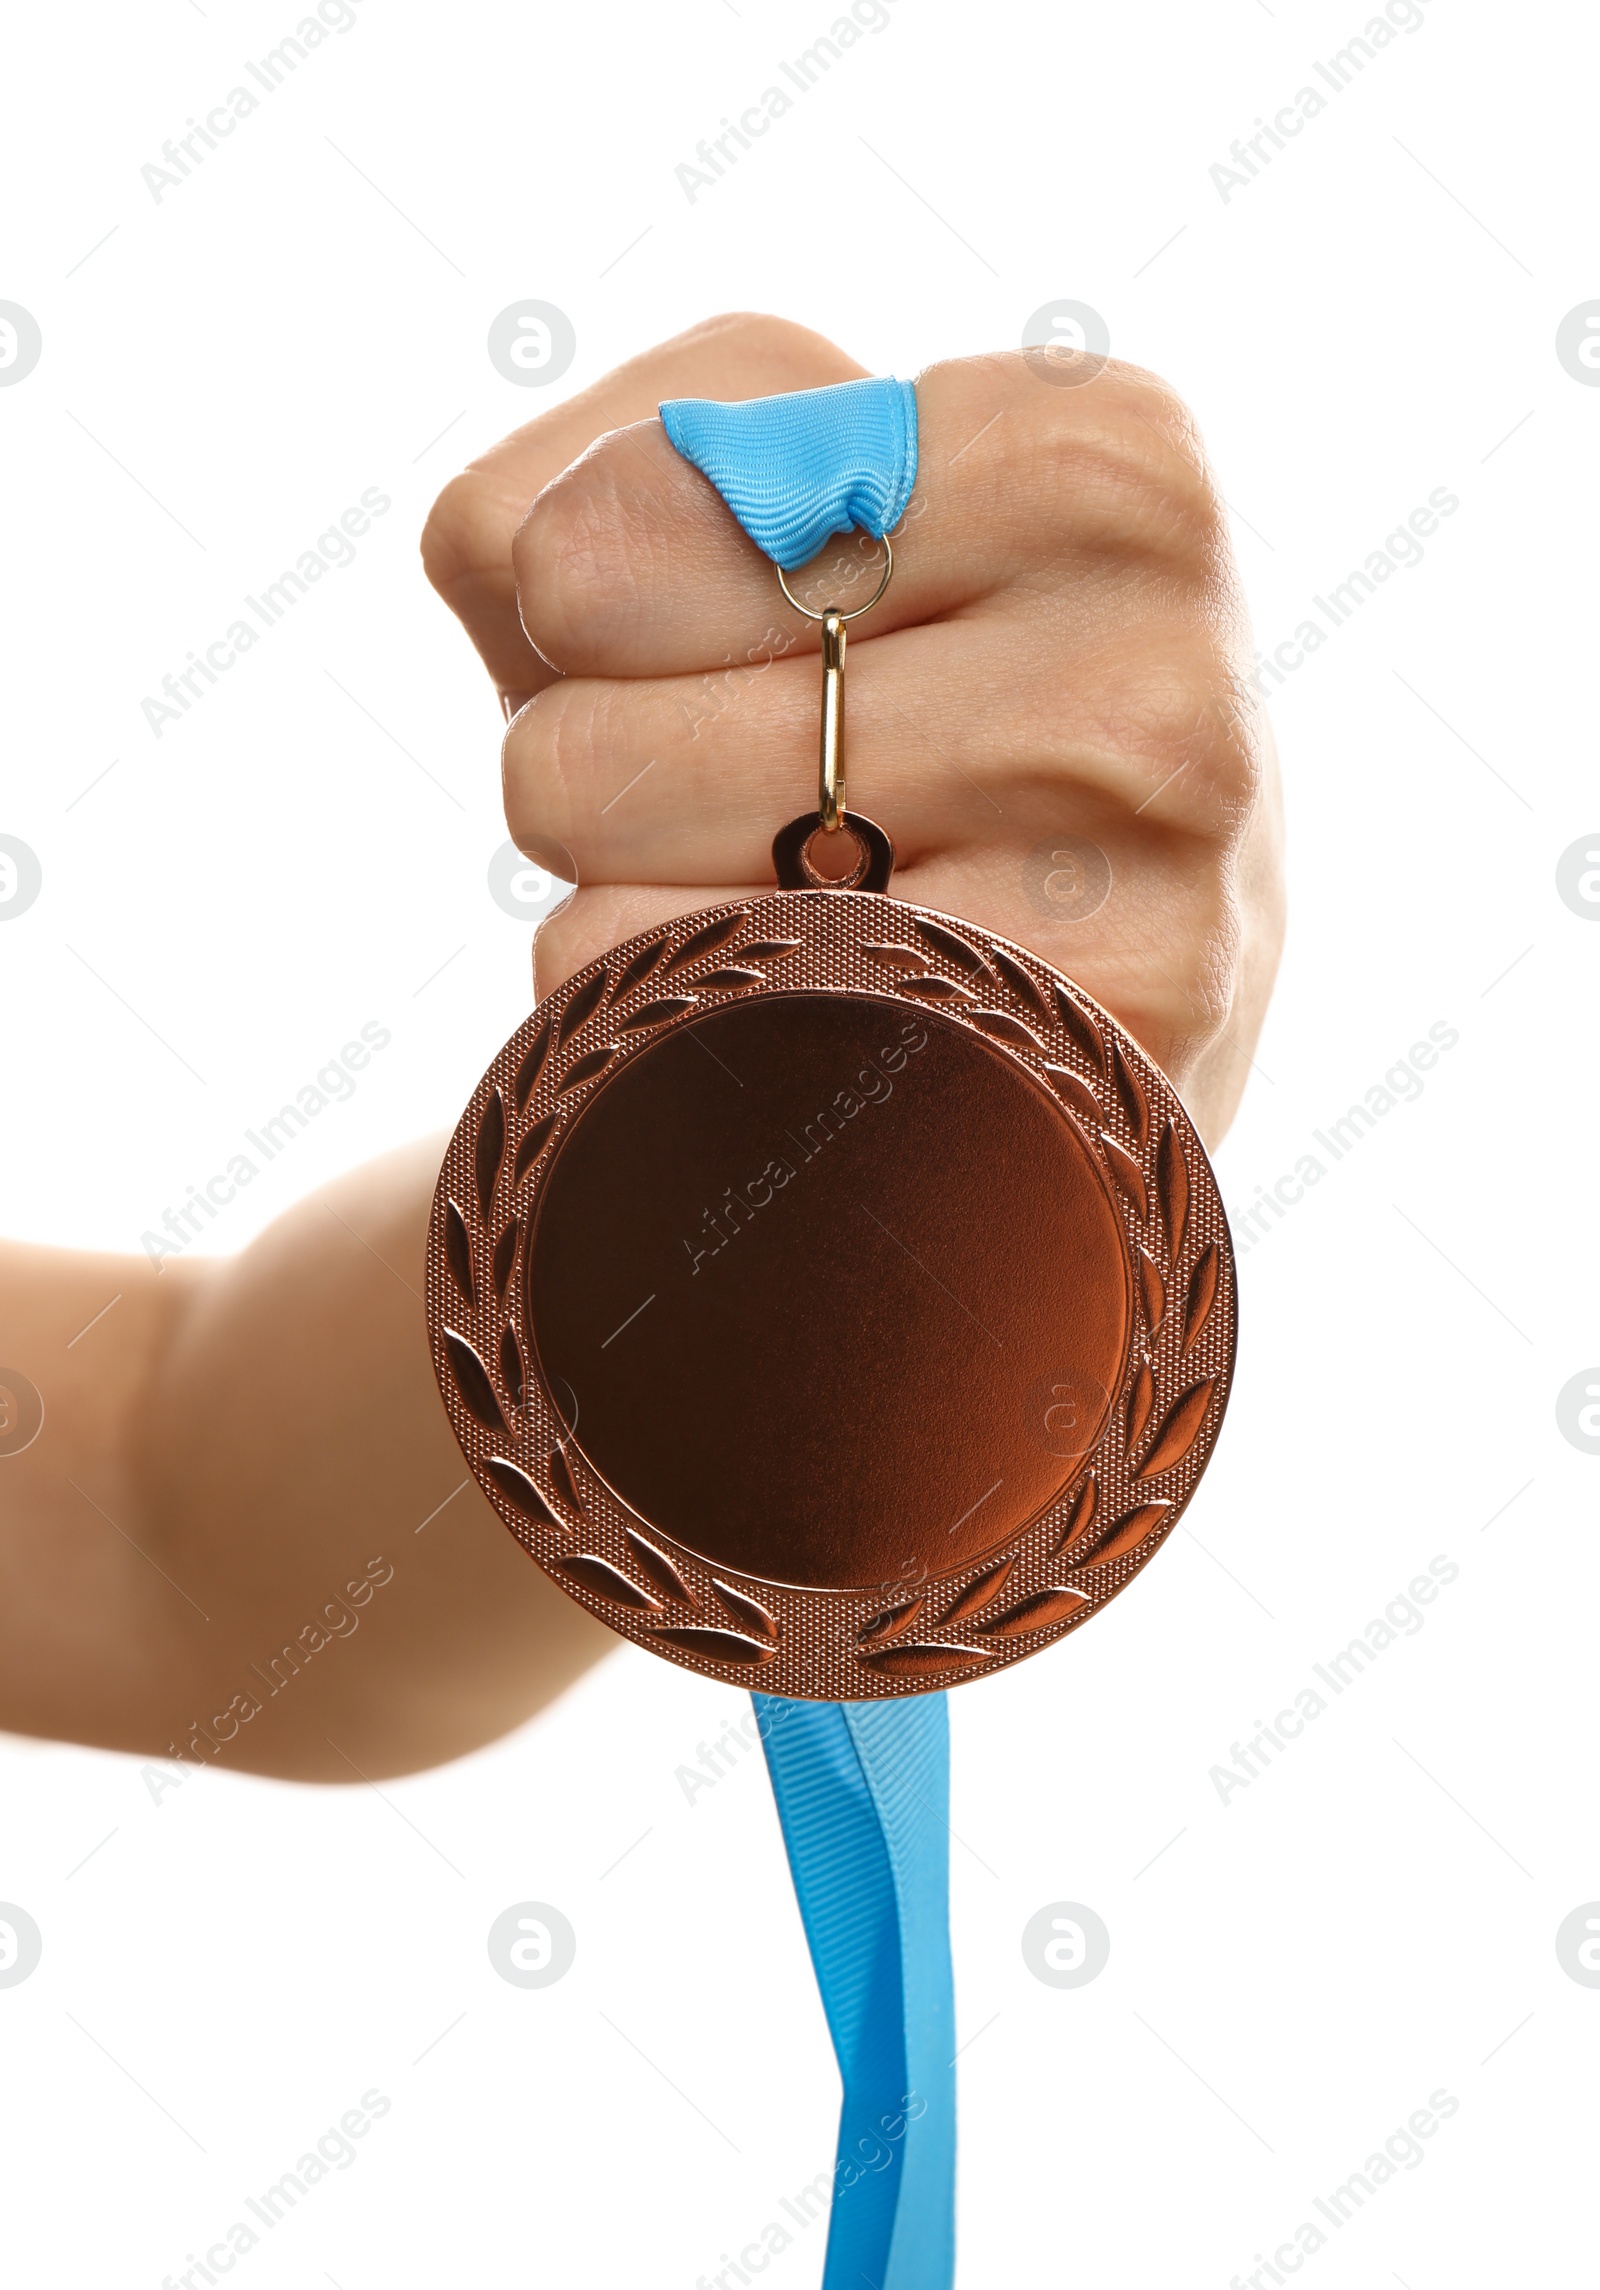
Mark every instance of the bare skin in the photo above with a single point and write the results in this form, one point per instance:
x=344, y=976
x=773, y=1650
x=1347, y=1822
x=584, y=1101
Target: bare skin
x=250, y=1453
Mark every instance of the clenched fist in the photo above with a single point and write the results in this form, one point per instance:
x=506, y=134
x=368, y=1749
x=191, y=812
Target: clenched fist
x=1058, y=668
x=1061, y=661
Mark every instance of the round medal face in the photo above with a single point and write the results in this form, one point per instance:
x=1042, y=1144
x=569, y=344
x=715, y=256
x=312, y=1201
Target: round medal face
x=831, y=1297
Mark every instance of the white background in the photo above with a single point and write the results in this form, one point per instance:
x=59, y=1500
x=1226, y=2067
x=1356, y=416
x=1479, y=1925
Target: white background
x=1371, y=318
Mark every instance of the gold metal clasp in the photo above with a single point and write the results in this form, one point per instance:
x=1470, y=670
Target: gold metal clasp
x=830, y=771
x=833, y=620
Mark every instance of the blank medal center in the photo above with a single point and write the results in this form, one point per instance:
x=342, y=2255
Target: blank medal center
x=827, y=1276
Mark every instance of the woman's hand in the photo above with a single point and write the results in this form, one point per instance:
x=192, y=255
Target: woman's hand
x=1059, y=668
x=1051, y=712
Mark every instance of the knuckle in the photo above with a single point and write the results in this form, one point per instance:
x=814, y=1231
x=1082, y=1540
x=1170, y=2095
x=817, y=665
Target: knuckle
x=1189, y=722
x=1179, y=1006
x=1206, y=977
x=583, y=555
x=464, y=531
x=581, y=930
x=1153, y=499
x=1157, y=441
x=1119, y=466
x=543, y=758
x=757, y=335
x=1142, y=395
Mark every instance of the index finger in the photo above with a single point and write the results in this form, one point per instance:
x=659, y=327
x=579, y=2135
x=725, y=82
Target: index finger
x=467, y=542
x=630, y=564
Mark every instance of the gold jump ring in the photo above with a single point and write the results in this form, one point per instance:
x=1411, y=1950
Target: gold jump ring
x=875, y=598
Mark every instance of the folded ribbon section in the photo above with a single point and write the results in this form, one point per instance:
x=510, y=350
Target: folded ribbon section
x=797, y=469
x=863, y=1792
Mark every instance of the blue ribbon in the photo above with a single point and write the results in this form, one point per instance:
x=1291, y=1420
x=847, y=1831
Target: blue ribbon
x=863, y=1788
x=863, y=1792
x=796, y=470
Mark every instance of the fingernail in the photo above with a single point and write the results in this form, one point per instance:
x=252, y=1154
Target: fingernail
x=514, y=702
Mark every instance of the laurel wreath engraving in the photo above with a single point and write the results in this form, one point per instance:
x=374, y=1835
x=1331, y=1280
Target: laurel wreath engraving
x=605, y=1009
x=1091, y=1542
x=931, y=1631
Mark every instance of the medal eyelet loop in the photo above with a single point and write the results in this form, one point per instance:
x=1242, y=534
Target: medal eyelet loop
x=792, y=862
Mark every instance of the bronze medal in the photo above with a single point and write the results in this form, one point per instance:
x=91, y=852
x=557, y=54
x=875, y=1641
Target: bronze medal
x=825, y=1292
